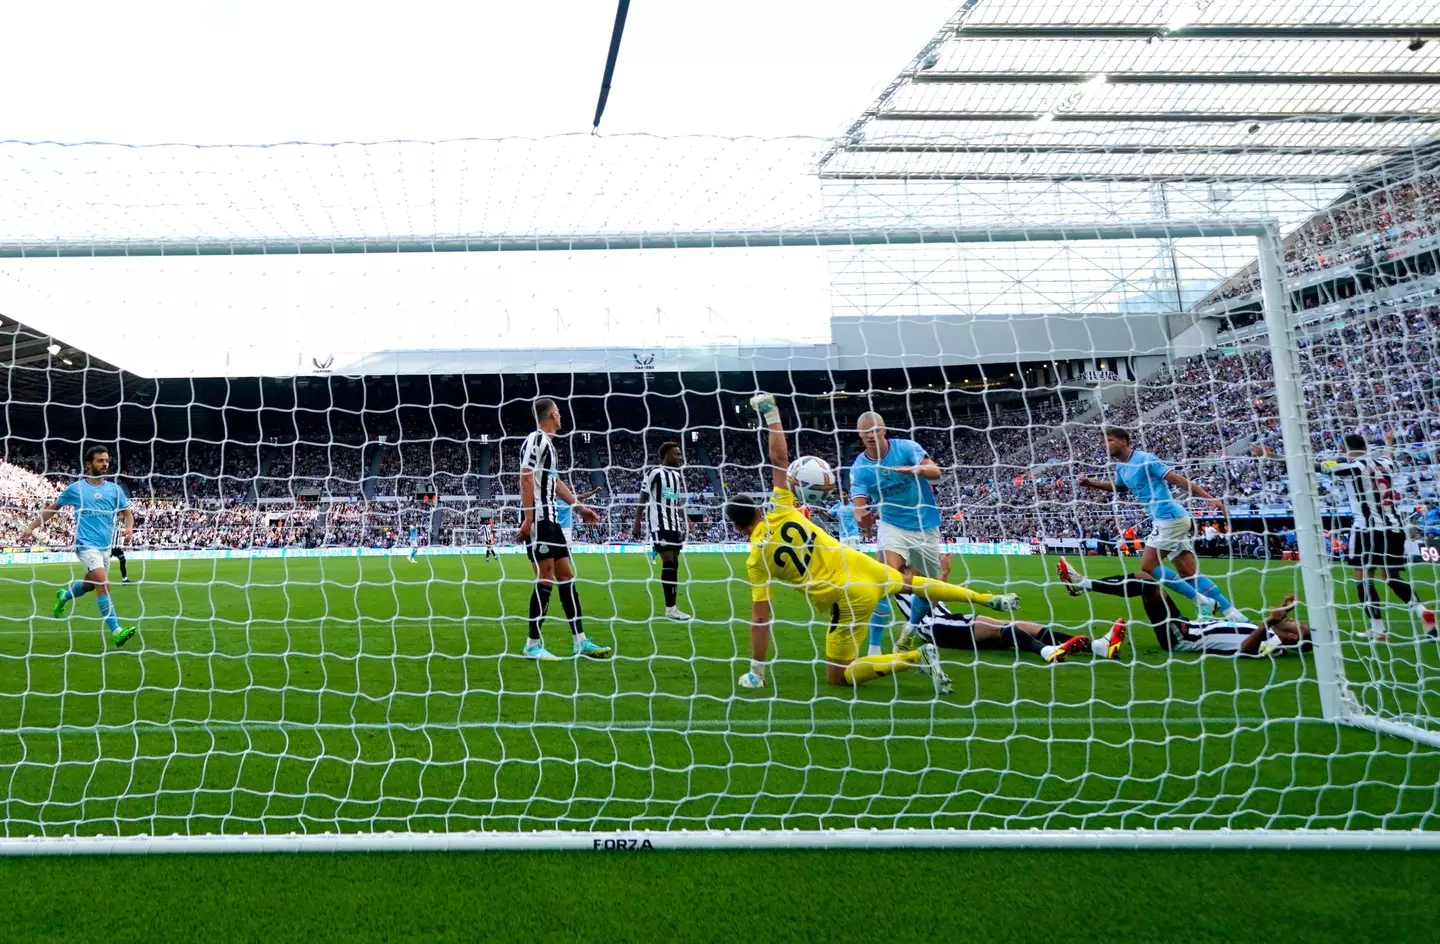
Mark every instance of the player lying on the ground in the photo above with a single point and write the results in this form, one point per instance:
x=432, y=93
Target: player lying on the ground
x=1280, y=633
x=950, y=630
x=786, y=546
x=97, y=502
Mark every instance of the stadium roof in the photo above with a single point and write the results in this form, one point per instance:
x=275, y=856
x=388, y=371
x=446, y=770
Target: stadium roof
x=1143, y=90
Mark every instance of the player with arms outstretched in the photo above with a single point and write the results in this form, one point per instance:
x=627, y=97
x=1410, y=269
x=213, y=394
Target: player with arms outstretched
x=1281, y=632
x=97, y=502
x=1172, y=530
x=1377, y=532
x=787, y=547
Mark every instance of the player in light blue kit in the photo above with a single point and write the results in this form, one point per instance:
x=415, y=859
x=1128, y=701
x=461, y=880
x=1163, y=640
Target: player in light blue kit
x=892, y=477
x=414, y=543
x=565, y=518
x=846, y=529
x=1172, y=530
x=96, y=503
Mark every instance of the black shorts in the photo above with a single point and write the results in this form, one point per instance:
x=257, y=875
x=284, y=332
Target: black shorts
x=951, y=632
x=1377, y=548
x=547, y=542
x=667, y=540
x=117, y=552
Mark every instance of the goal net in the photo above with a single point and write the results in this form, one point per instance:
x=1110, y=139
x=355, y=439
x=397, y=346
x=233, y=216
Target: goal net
x=316, y=400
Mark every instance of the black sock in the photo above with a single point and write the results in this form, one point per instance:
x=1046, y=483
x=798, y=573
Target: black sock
x=1049, y=637
x=125, y=573
x=539, y=600
x=571, y=601
x=1019, y=639
x=1123, y=585
x=1401, y=589
x=669, y=576
x=1370, y=598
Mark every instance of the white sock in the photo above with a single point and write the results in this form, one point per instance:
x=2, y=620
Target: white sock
x=875, y=651
x=1377, y=625
x=1047, y=651
x=1100, y=645
x=1418, y=607
x=758, y=669
x=1084, y=583
x=1233, y=614
x=579, y=639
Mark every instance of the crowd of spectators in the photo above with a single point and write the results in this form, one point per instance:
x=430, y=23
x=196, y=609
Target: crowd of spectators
x=1354, y=230
x=1007, y=474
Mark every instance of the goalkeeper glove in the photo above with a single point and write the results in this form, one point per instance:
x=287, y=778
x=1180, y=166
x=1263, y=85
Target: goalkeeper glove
x=1004, y=602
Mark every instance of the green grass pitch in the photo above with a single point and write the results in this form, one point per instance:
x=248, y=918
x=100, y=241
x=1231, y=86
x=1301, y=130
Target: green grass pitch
x=373, y=694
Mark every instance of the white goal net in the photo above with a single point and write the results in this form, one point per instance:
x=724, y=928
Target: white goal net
x=319, y=434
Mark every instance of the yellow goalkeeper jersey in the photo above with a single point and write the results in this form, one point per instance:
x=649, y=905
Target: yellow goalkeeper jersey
x=788, y=547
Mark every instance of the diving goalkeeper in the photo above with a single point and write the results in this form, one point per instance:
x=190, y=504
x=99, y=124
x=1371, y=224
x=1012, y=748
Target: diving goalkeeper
x=837, y=580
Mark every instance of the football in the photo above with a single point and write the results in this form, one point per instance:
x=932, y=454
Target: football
x=811, y=479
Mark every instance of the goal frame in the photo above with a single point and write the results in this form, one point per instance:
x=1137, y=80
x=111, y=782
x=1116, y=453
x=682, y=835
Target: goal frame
x=1337, y=704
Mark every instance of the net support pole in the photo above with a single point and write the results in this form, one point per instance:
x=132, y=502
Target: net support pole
x=1335, y=703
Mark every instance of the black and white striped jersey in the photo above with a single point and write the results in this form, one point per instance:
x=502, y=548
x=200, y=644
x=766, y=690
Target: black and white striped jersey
x=663, y=491
x=1368, y=485
x=538, y=453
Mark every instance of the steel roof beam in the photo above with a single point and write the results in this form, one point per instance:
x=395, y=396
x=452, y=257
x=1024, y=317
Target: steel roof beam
x=1178, y=78
x=1089, y=178
x=1218, y=31
x=1201, y=149
x=1137, y=117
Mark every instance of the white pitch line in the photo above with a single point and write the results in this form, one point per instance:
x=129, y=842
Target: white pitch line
x=699, y=726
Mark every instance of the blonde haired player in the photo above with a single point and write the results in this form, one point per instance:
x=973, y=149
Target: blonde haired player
x=837, y=580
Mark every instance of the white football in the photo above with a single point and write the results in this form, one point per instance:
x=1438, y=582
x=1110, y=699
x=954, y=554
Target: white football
x=811, y=479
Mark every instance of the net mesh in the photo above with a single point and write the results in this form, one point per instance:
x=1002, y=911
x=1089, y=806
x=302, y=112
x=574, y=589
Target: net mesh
x=317, y=469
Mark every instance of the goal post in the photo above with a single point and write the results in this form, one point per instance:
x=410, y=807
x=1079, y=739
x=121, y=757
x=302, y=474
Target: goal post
x=662, y=735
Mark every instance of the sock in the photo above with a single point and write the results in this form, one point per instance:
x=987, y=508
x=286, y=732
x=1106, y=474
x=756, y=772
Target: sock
x=1401, y=589
x=879, y=622
x=1013, y=638
x=77, y=589
x=669, y=577
x=107, y=613
x=758, y=668
x=1121, y=586
x=1084, y=583
x=539, y=600
x=1049, y=637
x=866, y=668
x=570, y=600
x=937, y=591
x=1046, y=651
x=1370, y=597
x=1172, y=581
x=1207, y=586
x=124, y=571
x=918, y=611
x=1100, y=645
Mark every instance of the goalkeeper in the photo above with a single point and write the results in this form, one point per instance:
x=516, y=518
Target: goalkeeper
x=839, y=581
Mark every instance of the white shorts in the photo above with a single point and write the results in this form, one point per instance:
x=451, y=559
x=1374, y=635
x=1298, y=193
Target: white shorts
x=93, y=558
x=852, y=540
x=1172, y=536
x=921, y=549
